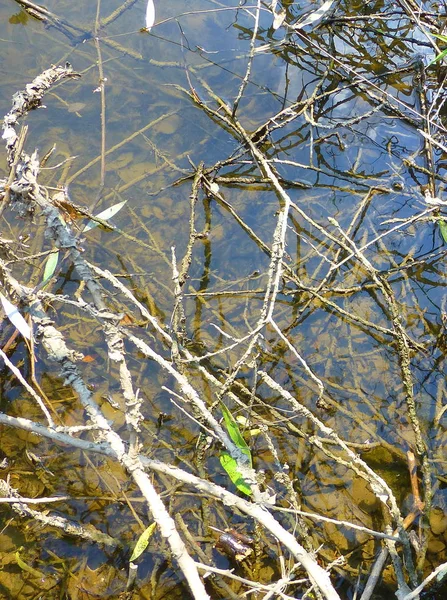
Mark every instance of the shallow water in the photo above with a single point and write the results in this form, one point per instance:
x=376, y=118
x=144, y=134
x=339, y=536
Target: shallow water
x=354, y=154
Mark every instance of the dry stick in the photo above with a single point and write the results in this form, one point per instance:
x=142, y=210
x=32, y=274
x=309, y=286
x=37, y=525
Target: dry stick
x=378, y=485
x=144, y=312
x=131, y=462
x=12, y=169
x=304, y=364
x=278, y=247
x=20, y=506
x=323, y=230
x=253, y=584
x=154, y=322
x=315, y=517
x=241, y=133
x=116, y=353
x=218, y=196
x=351, y=317
x=440, y=570
x=26, y=100
x=54, y=344
x=292, y=276
x=218, y=583
x=29, y=188
x=279, y=238
x=282, y=476
x=190, y=393
x=114, y=340
x=384, y=285
x=57, y=350
x=249, y=61
x=169, y=532
x=340, y=408
x=30, y=390
x=407, y=380
x=43, y=14
x=193, y=198
x=178, y=319
x=318, y=575
x=363, y=206
x=272, y=303
x=375, y=574
x=128, y=294
x=190, y=358
x=401, y=225
x=41, y=500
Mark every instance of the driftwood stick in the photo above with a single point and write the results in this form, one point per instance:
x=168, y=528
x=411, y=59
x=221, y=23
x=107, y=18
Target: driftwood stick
x=317, y=574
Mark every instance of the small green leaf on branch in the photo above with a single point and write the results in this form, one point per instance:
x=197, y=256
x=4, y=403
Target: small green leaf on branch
x=231, y=467
x=105, y=215
x=228, y=462
x=443, y=229
x=50, y=265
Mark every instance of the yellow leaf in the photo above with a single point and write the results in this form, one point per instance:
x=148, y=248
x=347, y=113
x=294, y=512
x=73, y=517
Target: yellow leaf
x=142, y=542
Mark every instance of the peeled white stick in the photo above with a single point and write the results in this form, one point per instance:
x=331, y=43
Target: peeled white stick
x=15, y=317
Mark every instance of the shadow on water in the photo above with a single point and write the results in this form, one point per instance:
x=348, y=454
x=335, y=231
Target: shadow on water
x=210, y=128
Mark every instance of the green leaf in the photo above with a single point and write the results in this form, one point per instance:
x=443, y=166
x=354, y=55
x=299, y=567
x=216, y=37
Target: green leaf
x=105, y=215
x=443, y=229
x=230, y=466
x=143, y=542
x=25, y=567
x=50, y=265
x=438, y=58
x=440, y=37
x=442, y=54
x=228, y=462
x=234, y=432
